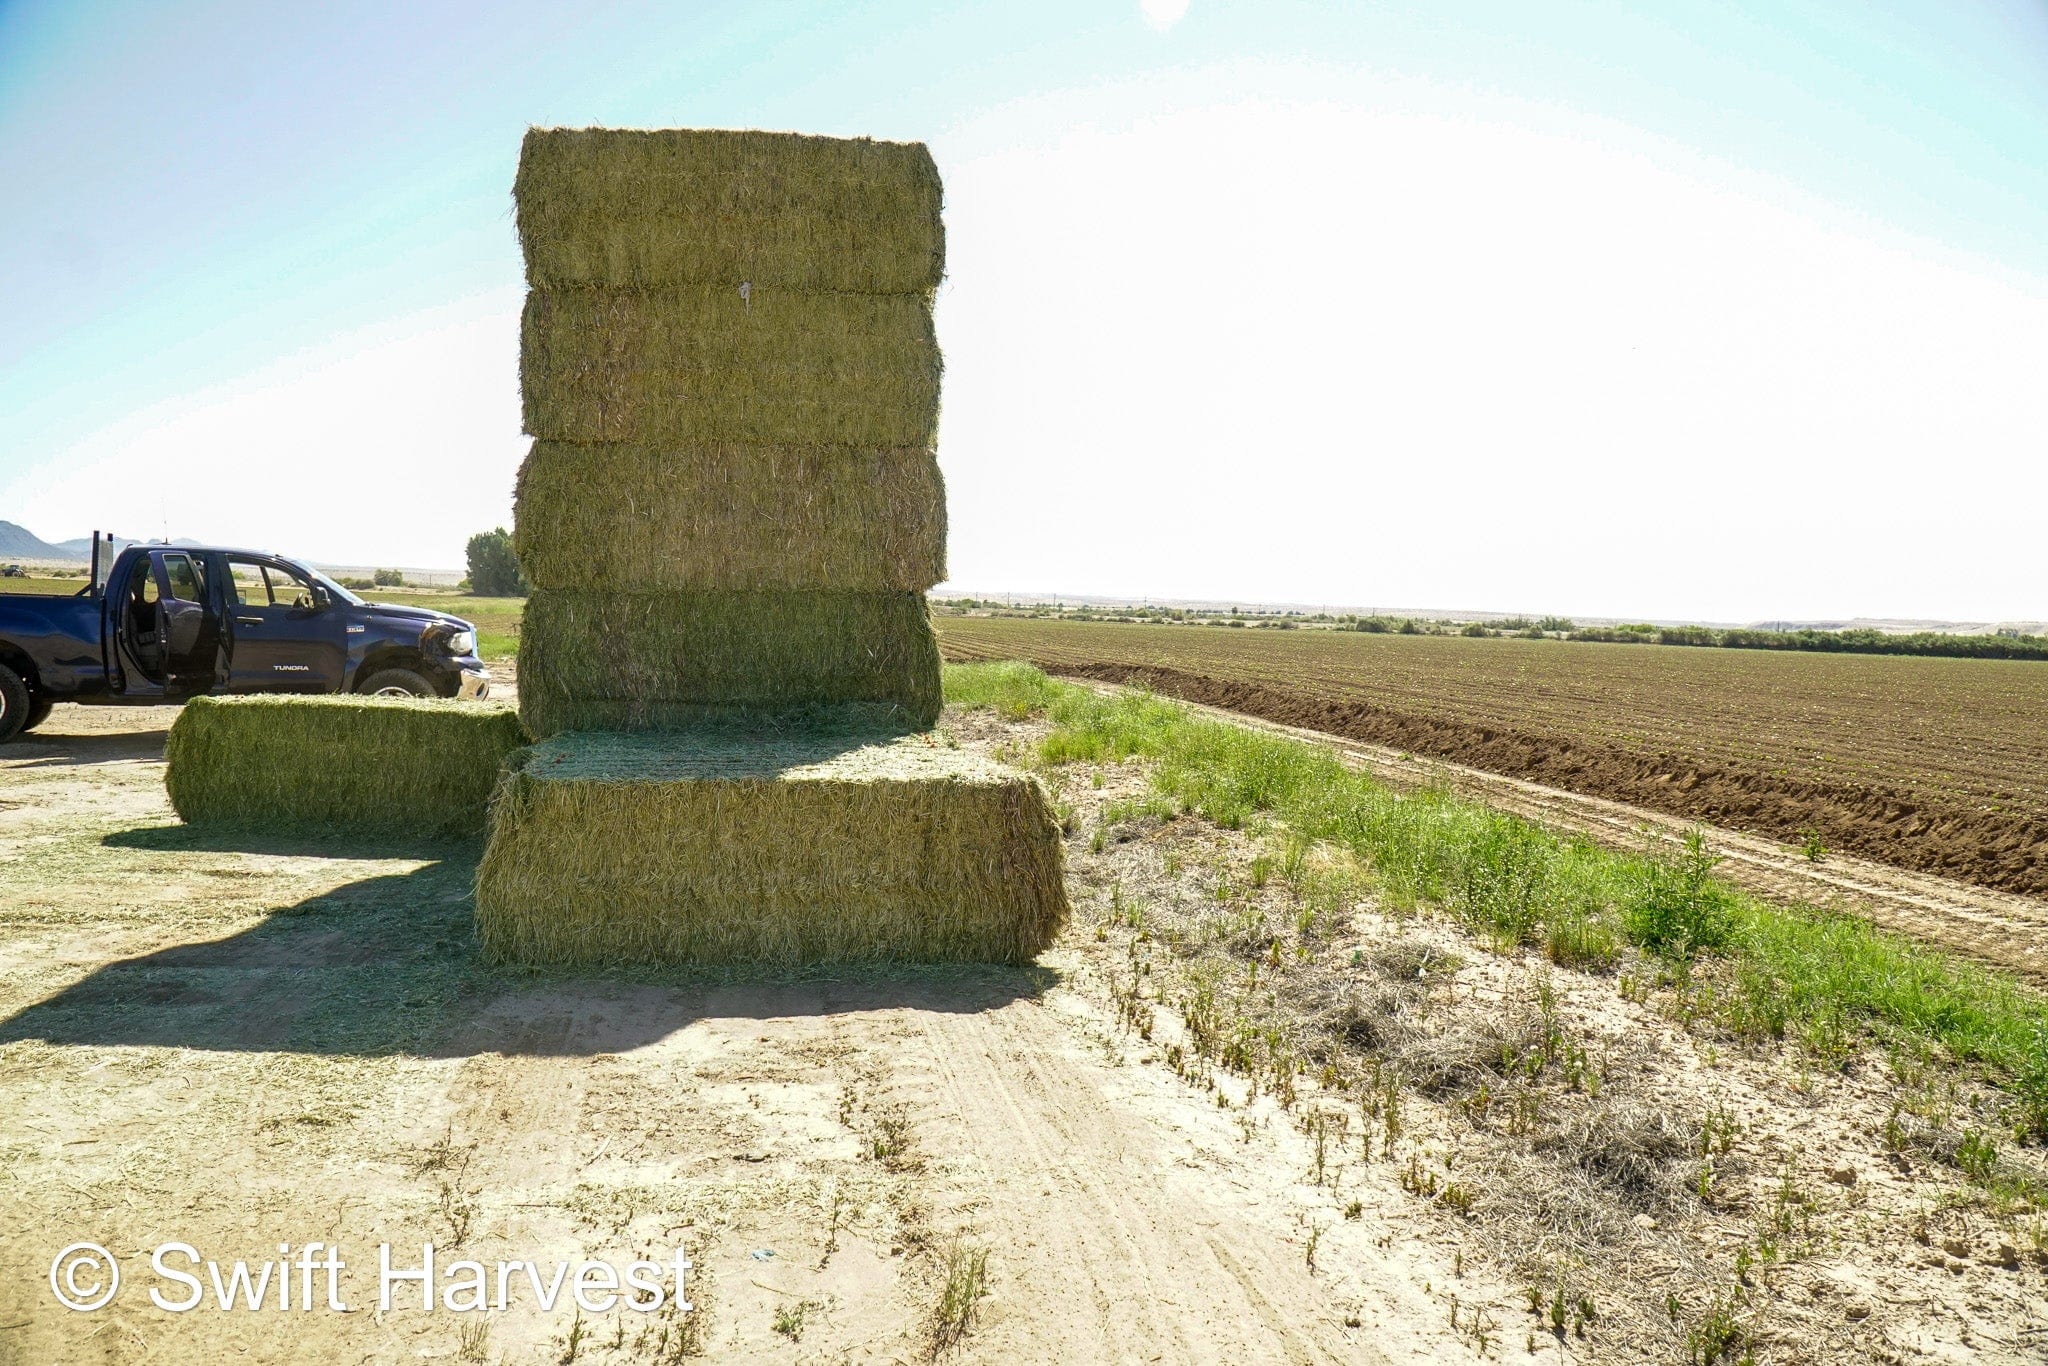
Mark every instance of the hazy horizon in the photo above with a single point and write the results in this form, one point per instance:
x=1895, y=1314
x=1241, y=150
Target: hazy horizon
x=1110, y=598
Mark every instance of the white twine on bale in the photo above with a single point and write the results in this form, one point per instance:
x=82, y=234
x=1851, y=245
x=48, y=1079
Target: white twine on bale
x=746, y=289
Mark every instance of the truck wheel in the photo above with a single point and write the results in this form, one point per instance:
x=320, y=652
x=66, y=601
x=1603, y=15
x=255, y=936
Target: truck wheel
x=38, y=712
x=14, y=704
x=396, y=683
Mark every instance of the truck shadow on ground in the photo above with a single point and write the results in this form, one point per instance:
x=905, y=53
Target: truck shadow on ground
x=53, y=748
x=390, y=966
x=178, y=838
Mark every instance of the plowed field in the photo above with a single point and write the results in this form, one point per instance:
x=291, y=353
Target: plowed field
x=1939, y=765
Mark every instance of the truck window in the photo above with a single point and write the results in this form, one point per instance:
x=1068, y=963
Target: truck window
x=183, y=577
x=288, y=589
x=250, y=587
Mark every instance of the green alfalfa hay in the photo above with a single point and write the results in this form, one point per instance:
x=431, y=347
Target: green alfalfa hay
x=721, y=846
x=383, y=765
x=646, y=209
x=640, y=661
x=730, y=516
x=706, y=364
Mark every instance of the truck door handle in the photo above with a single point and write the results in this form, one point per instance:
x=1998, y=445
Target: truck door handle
x=250, y=621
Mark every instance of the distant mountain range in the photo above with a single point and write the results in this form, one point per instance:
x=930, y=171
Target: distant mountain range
x=18, y=542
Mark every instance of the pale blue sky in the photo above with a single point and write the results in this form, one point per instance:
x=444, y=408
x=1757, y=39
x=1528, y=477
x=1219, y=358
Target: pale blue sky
x=190, y=194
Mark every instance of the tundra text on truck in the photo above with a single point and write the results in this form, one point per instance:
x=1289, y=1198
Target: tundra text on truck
x=176, y=621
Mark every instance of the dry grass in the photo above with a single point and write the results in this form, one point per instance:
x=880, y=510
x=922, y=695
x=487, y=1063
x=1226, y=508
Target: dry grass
x=361, y=764
x=960, y=1296
x=719, y=845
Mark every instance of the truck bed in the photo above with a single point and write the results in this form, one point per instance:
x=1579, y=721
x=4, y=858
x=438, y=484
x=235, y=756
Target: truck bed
x=62, y=633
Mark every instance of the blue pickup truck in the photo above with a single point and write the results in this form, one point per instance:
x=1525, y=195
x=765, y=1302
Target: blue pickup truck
x=168, y=622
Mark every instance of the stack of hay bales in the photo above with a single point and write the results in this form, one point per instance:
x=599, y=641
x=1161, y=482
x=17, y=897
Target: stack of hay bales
x=730, y=515
x=729, y=370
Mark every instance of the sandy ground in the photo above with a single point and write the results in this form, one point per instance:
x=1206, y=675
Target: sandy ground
x=237, y=1044
x=245, y=1044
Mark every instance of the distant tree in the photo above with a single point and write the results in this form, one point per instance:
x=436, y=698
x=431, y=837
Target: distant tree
x=387, y=578
x=493, y=568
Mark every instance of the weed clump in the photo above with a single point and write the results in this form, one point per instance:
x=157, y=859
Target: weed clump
x=1678, y=909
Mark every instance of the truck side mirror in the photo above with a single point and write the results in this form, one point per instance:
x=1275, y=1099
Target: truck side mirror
x=322, y=599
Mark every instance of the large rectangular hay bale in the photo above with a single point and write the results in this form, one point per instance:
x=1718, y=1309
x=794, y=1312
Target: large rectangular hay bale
x=374, y=765
x=722, y=846
x=730, y=516
x=641, y=661
x=644, y=209
x=706, y=364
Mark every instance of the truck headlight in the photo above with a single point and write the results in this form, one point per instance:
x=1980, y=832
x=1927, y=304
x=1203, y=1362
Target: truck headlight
x=462, y=643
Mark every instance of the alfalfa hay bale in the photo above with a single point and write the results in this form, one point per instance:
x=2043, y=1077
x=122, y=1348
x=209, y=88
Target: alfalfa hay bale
x=367, y=765
x=726, y=846
x=718, y=364
x=730, y=516
x=644, y=209
x=640, y=661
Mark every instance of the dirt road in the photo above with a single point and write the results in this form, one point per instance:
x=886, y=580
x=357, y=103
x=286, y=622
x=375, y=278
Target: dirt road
x=237, y=1044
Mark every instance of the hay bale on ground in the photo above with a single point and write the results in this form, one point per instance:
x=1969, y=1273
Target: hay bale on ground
x=379, y=765
x=730, y=516
x=730, y=845
x=636, y=661
x=706, y=364
x=645, y=209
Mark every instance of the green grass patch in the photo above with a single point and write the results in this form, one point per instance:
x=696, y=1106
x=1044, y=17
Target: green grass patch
x=1758, y=967
x=1012, y=691
x=42, y=587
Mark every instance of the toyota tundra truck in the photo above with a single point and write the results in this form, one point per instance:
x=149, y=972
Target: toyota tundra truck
x=170, y=622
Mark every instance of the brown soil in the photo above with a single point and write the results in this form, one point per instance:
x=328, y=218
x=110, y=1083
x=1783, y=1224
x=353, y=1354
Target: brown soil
x=1997, y=849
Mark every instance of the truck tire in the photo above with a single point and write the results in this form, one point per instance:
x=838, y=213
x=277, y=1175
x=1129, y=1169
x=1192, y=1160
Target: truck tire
x=396, y=683
x=15, y=704
x=38, y=712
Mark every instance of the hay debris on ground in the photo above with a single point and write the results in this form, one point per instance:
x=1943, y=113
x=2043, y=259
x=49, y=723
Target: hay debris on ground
x=715, y=364
x=724, y=845
x=633, y=661
x=641, y=209
x=379, y=765
x=730, y=516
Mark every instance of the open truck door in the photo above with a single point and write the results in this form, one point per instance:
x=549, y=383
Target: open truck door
x=189, y=610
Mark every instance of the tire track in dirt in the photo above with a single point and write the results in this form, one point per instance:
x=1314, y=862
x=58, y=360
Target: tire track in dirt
x=1109, y=1251
x=1993, y=927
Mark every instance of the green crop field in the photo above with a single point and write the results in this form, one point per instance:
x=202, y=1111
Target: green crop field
x=33, y=584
